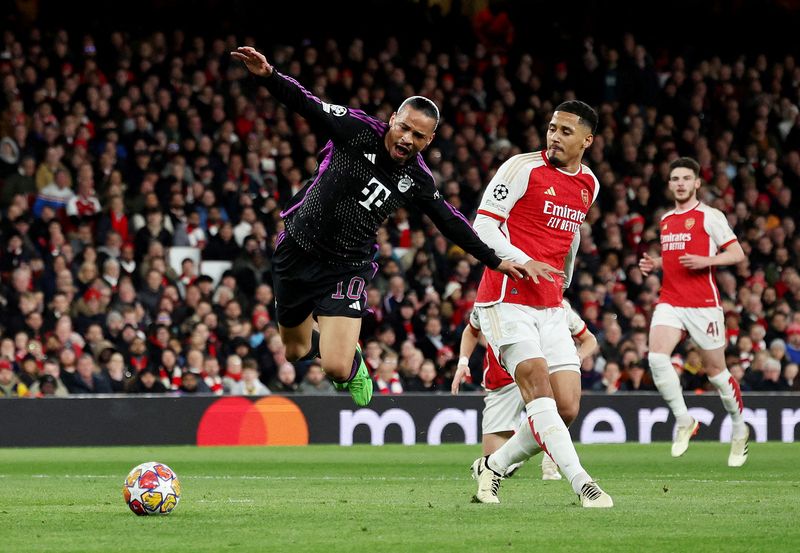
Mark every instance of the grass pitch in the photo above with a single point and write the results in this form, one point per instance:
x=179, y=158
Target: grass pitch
x=396, y=498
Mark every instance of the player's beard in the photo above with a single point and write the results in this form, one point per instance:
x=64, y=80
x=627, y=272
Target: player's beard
x=555, y=161
x=685, y=199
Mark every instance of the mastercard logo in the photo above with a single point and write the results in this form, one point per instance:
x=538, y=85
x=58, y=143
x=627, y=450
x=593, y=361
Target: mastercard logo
x=271, y=420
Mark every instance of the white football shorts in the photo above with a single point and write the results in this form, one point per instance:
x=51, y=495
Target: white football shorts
x=705, y=325
x=518, y=333
x=503, y=410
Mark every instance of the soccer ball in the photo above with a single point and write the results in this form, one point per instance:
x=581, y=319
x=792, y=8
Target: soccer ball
x=152, y=489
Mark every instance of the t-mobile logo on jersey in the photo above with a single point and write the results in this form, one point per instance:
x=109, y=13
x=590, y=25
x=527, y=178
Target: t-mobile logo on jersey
x=377, y=196
x=563, y=217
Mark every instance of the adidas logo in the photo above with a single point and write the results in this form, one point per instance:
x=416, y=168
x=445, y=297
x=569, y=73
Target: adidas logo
x=550, y=192
x=370, y=157
x=355, y=305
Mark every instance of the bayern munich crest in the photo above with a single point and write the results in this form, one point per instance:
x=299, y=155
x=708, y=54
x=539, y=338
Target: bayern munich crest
x=404, y=184
x=689, y=223
x=500, y=192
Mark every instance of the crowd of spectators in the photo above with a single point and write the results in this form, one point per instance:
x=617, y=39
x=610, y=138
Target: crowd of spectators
x=116, y=149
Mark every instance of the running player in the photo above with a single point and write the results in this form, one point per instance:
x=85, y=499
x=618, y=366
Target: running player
x=324, y=260
x=503, y=402
x=531, y=213
x=693, y=236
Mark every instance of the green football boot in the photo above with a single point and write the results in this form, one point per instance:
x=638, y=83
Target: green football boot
x=360, y=387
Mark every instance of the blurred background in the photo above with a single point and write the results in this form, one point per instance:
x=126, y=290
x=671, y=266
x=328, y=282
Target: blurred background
x=142, y=173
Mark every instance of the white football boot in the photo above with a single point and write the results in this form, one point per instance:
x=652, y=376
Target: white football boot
x=593, y=497
x=682, y=436
x=739, y=450
x=488, y=481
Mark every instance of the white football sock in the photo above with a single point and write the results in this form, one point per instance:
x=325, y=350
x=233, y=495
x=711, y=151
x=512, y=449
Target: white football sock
x=669, y=386
x=553, y=437
x=731, y=397
x=520, y=447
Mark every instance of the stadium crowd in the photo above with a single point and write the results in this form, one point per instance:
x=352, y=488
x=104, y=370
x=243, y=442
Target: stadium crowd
x=130, y=166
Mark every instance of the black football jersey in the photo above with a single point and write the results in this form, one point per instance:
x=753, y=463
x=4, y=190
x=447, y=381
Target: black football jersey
x=357, y=185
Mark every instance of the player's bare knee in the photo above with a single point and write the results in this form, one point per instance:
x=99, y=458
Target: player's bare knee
x=533, y=380
x=568, y=412
x=337, y=367
x=714, y=370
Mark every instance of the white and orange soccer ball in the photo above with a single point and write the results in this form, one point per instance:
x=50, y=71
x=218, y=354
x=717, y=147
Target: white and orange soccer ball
x=152, y=489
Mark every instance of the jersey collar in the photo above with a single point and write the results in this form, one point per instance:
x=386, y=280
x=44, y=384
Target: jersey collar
x=547, y=162
x=695, y=206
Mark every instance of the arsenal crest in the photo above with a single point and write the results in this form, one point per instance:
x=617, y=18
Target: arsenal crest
x=585, y=197
x=689, y=223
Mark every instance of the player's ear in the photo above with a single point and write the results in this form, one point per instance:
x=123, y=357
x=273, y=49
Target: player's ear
x=391, y=119
x=588, y=141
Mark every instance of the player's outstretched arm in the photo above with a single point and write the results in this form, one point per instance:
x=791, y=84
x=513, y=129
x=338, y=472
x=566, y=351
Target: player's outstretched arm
x=456, y=227
x=328, y=118
x=732, y=255
x=469, y=339
x=255, y=61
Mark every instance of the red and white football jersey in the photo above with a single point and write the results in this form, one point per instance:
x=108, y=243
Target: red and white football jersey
x=701, y=230
x=494, y=375
x=541, y=208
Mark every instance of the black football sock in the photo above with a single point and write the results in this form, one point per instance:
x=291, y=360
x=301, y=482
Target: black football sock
x=313, y=353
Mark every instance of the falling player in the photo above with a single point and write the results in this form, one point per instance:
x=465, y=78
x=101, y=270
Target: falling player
x=531, y=213
x=323, y=261
x=693, y=236
x=503, y=402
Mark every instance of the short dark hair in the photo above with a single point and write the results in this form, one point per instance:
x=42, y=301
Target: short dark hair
x=423, y=104
x=583, y=110
x=685, y=163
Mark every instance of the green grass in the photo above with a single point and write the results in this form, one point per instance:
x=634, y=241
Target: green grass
x=395, y=498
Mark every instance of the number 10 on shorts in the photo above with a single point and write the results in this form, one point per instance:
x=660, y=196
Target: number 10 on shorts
x=354, y=289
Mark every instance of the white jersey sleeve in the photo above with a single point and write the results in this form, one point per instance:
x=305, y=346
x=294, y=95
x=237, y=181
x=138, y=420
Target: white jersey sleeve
x=507, y=186
x=488, y=229
x=574, y=321
x=589, y=172
x=716, y=225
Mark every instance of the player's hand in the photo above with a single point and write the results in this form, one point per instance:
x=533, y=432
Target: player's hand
x=647, y=264
x=540, y=269
x=254, y=60
x=462, y=375
x=514, y=270
x=694, y=262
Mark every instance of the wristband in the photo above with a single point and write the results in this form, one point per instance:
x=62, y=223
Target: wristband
x=463, y=360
